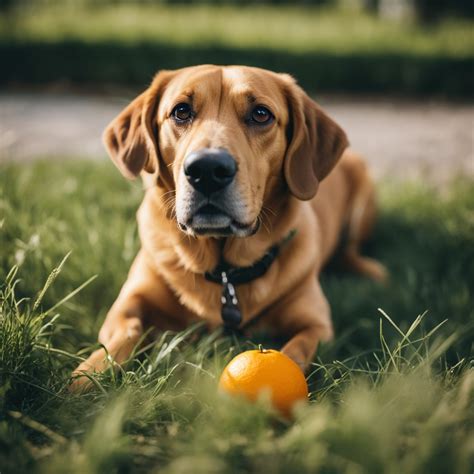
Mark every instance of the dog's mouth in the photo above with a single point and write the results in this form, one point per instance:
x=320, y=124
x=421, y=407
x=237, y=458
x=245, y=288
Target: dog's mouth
x=212, y=221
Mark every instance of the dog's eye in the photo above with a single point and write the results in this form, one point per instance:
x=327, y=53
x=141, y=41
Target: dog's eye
x=261, y=115
x=182, y=112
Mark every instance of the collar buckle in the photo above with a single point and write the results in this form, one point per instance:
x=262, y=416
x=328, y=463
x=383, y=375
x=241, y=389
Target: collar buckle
x=230, y=311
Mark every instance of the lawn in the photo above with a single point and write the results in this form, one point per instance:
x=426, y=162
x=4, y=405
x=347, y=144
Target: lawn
x=291, y=29
x=325, y=48
x=393, y=393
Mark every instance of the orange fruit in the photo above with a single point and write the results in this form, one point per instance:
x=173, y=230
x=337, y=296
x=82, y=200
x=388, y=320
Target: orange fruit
x=252, y=373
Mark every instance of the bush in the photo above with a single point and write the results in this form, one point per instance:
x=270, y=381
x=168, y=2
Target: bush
x=426, y=12
x=325, y=49
x=112, y=62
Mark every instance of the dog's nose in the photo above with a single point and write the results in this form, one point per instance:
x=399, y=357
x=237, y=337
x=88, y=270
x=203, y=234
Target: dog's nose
x=210, y=169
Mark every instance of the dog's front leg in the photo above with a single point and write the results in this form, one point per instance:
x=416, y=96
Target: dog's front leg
x=307, y=321
x=121, y=331
x=143, y=294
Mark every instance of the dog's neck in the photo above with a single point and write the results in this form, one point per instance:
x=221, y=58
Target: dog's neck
x=202, y=254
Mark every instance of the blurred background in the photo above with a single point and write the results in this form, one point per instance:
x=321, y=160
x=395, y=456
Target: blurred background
x=397, y=74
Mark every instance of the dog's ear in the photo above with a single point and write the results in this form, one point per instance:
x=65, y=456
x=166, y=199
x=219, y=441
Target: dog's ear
x=131, y=139
x=315, y=143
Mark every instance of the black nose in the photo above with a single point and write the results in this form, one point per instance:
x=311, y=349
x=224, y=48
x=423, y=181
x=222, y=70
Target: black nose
x=210, y=169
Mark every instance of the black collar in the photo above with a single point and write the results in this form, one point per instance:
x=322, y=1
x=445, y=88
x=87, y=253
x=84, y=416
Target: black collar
x=229, y=276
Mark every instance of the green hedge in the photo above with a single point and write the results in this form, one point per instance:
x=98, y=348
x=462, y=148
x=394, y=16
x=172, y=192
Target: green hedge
x=118, y=63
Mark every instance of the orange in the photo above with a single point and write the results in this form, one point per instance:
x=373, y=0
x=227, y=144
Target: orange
x=253, y=372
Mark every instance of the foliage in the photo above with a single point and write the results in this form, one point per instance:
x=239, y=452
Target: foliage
x=427, y=13
x=326, y=49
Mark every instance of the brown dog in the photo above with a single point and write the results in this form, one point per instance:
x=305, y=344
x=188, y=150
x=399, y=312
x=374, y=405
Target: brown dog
x=233, y=157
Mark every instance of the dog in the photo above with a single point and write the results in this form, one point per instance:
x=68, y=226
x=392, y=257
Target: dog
x=244, y=205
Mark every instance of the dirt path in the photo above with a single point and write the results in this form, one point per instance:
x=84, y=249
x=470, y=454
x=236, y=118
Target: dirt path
x=400, y=139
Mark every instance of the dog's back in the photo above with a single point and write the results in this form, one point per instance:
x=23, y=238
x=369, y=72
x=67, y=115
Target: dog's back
x=346, y=203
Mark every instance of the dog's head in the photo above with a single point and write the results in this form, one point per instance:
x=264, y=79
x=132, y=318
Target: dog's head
x=224, y=141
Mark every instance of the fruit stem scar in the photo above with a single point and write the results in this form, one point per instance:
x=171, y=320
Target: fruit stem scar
x=260, y=348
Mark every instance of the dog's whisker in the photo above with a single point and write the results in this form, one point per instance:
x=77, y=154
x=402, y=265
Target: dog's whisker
x=269, y=209
x=262, y=217
x=169, y=202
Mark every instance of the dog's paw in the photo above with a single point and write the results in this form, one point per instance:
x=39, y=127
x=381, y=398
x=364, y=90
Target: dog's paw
x=376, y=271
x=80, y=383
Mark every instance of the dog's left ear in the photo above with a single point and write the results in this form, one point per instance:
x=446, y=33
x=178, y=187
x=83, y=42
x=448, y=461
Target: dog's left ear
x=315, y=144
x=131, y=139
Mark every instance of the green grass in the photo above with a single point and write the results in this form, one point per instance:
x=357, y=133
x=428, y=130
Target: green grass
x=325, y=48
x=393, y=393
x=293, y=29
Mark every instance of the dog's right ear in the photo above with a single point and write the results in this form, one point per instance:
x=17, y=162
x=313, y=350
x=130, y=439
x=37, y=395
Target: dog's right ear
x=315, y=143
x=131, y=139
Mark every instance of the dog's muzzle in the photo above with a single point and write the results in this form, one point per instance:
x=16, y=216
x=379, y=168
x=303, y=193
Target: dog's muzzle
x=211, y=204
